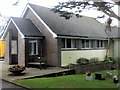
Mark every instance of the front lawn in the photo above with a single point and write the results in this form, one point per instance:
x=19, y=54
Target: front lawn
x=68, y=81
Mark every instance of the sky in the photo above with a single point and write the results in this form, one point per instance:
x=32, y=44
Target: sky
x=8, y=9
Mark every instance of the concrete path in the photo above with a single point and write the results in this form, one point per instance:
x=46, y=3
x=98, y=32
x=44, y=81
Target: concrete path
x=7, y=86
x=28, y=73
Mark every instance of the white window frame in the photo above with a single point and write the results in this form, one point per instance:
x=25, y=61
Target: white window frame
x=32, y=49
x=90, y=42
x=101, y=41
x=72, y=42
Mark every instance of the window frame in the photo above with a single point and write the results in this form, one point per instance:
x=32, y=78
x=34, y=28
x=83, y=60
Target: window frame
x=102, y=44
x=85, y=44
x=72, y=41
x=32, y=47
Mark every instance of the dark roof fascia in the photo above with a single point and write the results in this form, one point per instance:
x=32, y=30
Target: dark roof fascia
x=33, y=37
x=82, y=37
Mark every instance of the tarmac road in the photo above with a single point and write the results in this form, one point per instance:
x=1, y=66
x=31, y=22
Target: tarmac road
x=10, y=86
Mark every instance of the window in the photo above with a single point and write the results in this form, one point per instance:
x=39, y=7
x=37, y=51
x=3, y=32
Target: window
x=102, y=43
x=33, y=47
x=87, y=43
x=14, y=46
x=83, y=43
x=68, y=43
x=73, y=43
x=63, y=43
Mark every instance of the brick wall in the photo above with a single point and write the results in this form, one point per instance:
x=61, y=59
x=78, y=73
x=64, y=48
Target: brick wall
x=21, y=50
x=7, y=49
x=50, y=42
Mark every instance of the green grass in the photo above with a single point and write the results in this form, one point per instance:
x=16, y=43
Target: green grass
x=68, y=81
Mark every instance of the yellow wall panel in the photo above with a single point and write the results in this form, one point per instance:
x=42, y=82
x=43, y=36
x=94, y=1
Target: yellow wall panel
x=2, y=48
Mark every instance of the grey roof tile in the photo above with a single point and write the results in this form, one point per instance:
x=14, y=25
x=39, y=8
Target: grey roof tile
x=27, y=28
x=85, y=26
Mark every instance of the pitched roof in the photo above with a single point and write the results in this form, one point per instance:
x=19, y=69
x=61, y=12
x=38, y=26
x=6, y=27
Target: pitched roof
x=27, y=28
x=85, y=26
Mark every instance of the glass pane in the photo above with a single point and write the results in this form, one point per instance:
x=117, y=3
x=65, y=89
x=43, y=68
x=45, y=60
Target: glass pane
x=74, y=43
x=92, y=43
x=102, y=45
x=62, y=43
x=106, y=43
x=14, y=47
x=83, y=43
x=34, y=48
x=97, y=43
x=68, y=43
x=87, y=43
x=30, y=48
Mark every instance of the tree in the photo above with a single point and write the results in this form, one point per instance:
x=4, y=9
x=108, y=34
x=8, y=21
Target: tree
x=76, y=7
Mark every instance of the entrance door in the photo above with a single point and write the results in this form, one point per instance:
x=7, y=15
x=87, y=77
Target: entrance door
x=14, y=52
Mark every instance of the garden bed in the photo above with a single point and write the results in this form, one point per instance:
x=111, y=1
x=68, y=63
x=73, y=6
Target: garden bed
x=92, y=67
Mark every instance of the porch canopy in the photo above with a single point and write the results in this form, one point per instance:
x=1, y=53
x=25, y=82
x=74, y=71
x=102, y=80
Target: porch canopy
x=27, y=28
x=18, y=36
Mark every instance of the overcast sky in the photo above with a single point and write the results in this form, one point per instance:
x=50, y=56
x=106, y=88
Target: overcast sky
x=8, y=9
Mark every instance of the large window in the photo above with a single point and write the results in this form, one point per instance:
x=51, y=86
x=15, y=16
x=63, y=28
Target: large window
x=33, y=47
x=87, y=43
x=68, y=43
x=102, y=43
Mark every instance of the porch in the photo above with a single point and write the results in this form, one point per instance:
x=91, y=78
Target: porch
x=37, y=62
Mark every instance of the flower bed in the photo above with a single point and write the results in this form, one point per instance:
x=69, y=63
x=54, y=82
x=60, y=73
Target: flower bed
x=16, y=69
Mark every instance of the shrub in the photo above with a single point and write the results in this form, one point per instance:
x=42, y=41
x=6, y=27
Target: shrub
x=110, y=59
x=70, y=66
x=82, y=61
x=94, y=60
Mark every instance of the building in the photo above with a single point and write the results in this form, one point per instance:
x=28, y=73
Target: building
x=42, y=33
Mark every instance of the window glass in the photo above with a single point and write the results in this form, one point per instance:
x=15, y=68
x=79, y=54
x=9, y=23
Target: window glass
x=33, y=50
x=74, y=45
x=87, y=43
x=91, y=43
x=63, y=43
x=83, y=43
x=68, y=43
x=105, y=43
x=97, y=43
x=14, y=46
